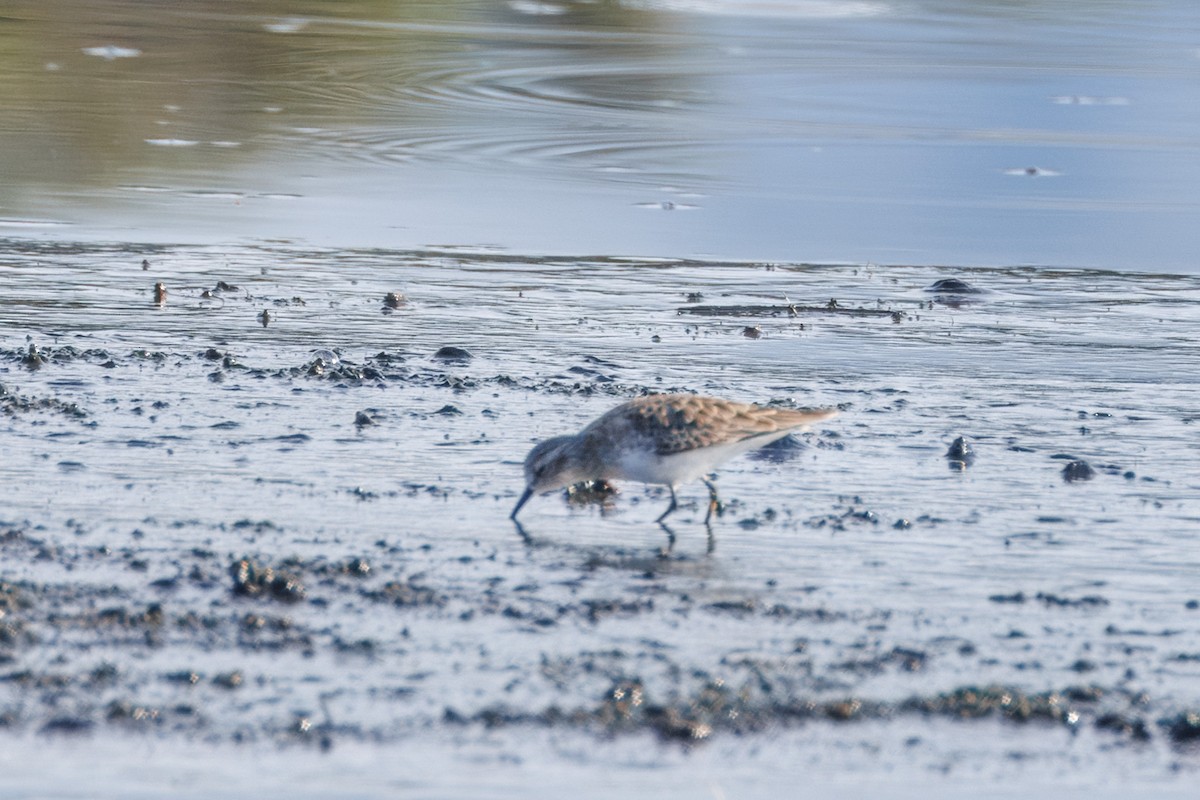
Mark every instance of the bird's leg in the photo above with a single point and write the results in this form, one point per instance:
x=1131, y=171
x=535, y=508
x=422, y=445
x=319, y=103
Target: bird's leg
x=714, y=503
x=670, y=508
x=712, y=540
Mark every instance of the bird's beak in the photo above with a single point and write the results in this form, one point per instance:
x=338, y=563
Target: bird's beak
x=524, y=498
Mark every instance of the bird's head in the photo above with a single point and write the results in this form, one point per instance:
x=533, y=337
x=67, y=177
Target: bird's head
x=550, y=465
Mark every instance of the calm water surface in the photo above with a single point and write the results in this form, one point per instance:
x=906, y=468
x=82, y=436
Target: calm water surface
x=917, y=131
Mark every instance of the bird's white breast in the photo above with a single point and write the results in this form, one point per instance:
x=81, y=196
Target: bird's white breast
x=648, y=467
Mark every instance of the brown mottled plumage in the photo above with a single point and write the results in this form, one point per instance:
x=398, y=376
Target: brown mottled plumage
x=664, y=439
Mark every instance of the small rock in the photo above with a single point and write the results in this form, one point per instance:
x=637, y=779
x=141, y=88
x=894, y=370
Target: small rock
x=844, y=710
x=588, y=492
x=394, y=300
x=183, y=676
x=1184, y=727
x=951, y=286
x=68, y=725
x=752, y=332
x=449, y=353
x=252, y=580
x=1133, y=727
x=33, y=357
x=357, y=568
x=960, y=449
x=960, y=455
x=362, y=419
x=1078, y=471
x=229, y=680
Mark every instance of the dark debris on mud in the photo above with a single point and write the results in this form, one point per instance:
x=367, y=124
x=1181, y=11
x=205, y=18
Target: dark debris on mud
x=440, y=370
x=789, y=310
x=1050, y=599
x=13, y=404
x=716, y=707
x=253, y=580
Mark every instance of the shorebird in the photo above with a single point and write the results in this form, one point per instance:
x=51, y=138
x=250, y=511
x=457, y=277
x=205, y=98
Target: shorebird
x=665, y=439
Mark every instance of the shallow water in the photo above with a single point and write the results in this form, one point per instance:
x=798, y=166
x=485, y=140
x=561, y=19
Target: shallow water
x=859, y=583
x=276, y=555
x=1061, y=133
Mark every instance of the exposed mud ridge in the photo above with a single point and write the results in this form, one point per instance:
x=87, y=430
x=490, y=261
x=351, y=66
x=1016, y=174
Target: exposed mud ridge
x=789, y=310
x=12, y=404
x=715, y=708
x=379, y=370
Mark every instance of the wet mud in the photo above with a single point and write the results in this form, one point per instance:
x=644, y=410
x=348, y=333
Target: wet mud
x=295, y=535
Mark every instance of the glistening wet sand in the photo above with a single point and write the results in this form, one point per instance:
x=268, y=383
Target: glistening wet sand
x=286, y=543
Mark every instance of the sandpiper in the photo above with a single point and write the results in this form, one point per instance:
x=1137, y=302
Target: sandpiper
x=665, y=439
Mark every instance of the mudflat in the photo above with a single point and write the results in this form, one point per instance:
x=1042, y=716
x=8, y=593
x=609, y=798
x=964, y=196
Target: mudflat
x=255, y=529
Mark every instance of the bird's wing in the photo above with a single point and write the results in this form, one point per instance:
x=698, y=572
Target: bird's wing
x=678, y=423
